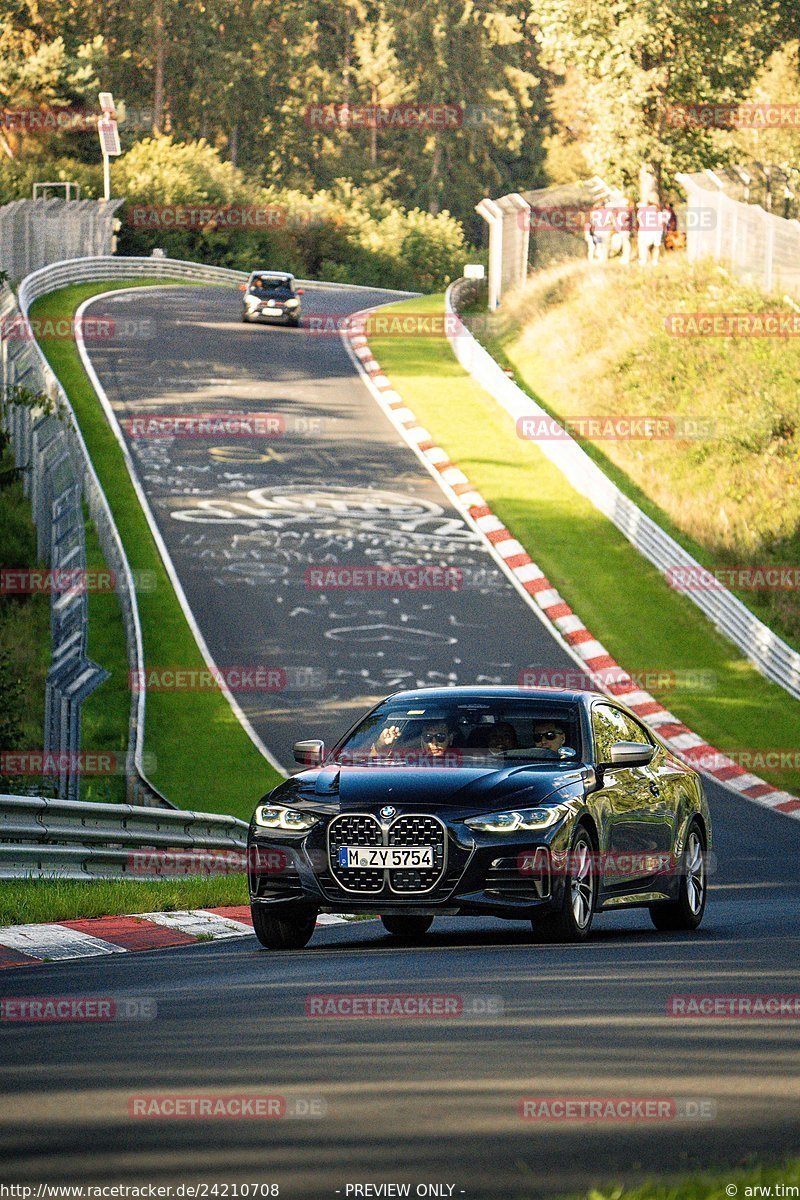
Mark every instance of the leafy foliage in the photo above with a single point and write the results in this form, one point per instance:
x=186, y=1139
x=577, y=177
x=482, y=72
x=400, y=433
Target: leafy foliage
x=638, y=60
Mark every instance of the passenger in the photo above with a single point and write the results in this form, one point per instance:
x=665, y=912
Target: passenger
x=386, y=739
x=502, y=737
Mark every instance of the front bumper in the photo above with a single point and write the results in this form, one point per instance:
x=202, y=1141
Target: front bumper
x=277, y=313
x=479, y=877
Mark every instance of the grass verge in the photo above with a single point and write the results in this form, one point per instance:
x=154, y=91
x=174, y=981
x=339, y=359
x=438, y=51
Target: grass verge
x=203, y=758
x=29, y=901
x=624, y=601
x=747, y=1184
x=590, y=343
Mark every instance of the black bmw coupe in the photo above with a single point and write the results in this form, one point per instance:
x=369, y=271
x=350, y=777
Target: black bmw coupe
x=544, y=805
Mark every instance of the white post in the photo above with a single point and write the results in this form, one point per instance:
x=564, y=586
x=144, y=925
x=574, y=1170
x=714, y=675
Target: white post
x=106, y=177
x=493, y=217
x=769, y=257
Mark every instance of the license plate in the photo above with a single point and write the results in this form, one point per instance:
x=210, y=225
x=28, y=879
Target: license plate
x=392, y=858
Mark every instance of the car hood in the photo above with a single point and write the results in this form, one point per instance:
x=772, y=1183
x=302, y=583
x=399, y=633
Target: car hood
x=366, y=789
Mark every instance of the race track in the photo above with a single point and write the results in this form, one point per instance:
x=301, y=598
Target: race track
x=246, y=519
x=426, y=1100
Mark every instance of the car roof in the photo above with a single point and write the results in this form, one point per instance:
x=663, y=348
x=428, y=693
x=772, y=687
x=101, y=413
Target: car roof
x=495, y=691
x=273, y=274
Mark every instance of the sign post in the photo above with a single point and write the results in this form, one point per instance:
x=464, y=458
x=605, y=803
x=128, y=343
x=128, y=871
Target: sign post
x=109, y=138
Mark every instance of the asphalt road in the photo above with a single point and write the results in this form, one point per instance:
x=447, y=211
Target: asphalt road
x=246, y=519
x=426, y=1101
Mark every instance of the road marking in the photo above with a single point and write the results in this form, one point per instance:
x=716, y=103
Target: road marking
x=54, y=941
x=200, y=923
x=543, y=599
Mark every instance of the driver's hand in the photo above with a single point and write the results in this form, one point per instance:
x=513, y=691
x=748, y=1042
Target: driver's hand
x=388, y=736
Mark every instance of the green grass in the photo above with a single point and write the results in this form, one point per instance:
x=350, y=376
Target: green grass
x=711, y=1185
x=29, y=901
x=587, y=342
x=204, y=760
x=624, y=601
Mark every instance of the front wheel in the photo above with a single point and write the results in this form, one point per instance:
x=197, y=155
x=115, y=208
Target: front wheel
x=687, y=911
x=407, y=928
x=282, y=933
x=572, y=922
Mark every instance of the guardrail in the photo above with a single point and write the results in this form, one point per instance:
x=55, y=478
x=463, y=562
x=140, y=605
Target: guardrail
x=70, y=840
x=764, y=649
x=24, y=363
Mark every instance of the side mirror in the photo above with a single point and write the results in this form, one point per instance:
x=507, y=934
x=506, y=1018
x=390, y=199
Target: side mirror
x=300, y=291
x=242, y=287
x=630, y=754
x=309, y=753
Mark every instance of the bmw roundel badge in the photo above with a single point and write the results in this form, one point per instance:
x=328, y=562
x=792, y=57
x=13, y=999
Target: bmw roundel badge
x=387, y=811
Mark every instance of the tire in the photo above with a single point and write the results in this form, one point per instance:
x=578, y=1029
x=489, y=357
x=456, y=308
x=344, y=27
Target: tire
x=294, y=323
x=282, y=933
x=573, y=921
x=686, y=912
x=406, y=928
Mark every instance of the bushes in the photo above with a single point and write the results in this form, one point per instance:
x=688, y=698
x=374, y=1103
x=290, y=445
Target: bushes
x=345, y=233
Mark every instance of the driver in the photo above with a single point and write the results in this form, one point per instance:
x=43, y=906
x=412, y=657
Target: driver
x=436, y=738
x=548, y=735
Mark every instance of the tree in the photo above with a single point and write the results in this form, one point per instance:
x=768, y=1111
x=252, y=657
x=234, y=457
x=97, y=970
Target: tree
x=643, y=59
x=777, y=84
x=38, y=71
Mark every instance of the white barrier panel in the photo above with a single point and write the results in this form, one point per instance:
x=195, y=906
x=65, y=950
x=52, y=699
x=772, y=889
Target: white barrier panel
x=765, y=650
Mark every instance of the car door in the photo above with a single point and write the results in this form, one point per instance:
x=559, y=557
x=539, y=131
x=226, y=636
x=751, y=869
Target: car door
x=627, y=799
x=659, y=776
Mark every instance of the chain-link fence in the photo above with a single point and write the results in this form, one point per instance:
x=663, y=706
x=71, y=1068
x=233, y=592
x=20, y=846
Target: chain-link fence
x=42, y=451
x=34, y=233
x=58, y=476
x=758, y=246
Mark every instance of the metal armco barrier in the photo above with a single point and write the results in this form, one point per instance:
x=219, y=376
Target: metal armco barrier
x=69, y=840
x=765, y=650
x=24, y=363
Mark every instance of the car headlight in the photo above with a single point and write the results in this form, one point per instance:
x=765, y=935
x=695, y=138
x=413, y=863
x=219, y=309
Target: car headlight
x=291, y=304
x=517, y=821
x=273, y=816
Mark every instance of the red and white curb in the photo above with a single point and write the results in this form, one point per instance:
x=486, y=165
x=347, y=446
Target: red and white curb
x=540, y=595
x=32, y=945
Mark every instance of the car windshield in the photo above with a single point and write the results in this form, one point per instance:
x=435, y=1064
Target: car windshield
x=496, y=731
x=269, y=287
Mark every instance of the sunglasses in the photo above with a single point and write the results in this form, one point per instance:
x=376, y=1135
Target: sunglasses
x=547, y=734
x=437, y=736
